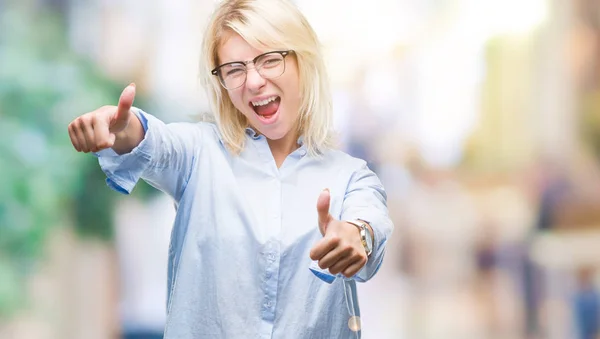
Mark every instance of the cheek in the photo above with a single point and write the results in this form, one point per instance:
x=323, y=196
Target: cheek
x=238, y=102
x=294, y=98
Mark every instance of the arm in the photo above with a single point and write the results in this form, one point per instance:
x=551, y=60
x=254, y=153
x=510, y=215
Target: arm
x=164, y=158
x=132, y=145
x=341, y=249
x=365, y=199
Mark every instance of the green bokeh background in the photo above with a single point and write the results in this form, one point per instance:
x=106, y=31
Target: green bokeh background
x=44, y=182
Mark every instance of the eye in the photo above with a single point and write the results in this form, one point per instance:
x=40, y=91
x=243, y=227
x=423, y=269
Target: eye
x=271, y=61
x=232, y=69
x=234, y=72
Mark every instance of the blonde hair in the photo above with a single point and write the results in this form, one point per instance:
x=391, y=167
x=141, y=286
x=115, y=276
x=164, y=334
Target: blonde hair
x=269, y=25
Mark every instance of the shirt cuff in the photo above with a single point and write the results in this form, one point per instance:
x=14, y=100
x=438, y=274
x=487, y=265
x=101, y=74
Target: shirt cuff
x=123, y=171
x=377, y=223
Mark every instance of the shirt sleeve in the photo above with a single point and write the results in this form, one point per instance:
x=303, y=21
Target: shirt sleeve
x=366, y=199
x=164, y=158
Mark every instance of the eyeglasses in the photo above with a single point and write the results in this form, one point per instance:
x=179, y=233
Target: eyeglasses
x=269, y=65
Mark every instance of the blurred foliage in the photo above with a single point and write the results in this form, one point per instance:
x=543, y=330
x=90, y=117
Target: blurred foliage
x=43, y=180
x=590, y=122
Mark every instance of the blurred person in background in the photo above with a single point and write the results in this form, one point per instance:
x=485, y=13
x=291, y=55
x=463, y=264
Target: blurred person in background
x=245, y=185
x=586, y=305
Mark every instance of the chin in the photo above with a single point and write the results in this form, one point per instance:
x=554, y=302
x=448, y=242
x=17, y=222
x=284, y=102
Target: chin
x=275, y=134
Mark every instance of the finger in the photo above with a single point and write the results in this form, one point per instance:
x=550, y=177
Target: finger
x=88, y=134
x=73, y=137
x=78, y=132
x=323, y=247
x=323, y=203
x=103, y=138
x=335, y=256
x=355, y=267
x=124, y=106
x=342, y=264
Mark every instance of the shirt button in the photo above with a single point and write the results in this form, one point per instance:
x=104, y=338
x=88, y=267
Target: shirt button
x=268, y=275
x=271, y=257
x=268, y=304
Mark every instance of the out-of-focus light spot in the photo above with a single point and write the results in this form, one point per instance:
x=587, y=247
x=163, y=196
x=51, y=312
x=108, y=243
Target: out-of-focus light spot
x=354, y=323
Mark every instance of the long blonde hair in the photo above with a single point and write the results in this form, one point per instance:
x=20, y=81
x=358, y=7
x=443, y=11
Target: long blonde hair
x=269, y=24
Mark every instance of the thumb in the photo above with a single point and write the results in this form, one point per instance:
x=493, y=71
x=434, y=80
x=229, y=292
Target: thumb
x=323, y=210
x=121, y=117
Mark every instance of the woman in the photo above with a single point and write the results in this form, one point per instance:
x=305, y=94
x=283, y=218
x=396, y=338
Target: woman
x=245, y=187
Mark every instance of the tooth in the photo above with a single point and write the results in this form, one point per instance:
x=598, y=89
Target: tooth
x=264, y=102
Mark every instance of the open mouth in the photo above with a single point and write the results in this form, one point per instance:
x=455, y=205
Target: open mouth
x=266, y=109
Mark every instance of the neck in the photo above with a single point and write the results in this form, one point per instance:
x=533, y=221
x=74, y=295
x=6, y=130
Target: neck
x=283, y=147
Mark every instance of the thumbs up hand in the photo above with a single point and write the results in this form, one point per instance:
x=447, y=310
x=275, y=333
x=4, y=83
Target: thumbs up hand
x=98, y=130
x=341, y=249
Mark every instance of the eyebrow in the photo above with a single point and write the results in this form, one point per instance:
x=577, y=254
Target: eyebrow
x=245, y=63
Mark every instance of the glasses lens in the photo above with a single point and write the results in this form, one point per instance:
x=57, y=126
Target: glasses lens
x=232, y=75
x=270, y=65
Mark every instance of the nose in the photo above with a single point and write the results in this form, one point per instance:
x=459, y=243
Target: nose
x=254, y=81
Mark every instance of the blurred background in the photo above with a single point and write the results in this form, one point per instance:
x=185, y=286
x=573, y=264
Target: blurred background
x=481, y=117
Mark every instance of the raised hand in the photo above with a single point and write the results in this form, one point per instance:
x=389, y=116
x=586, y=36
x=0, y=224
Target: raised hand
x=341, y=249
x=101, y=128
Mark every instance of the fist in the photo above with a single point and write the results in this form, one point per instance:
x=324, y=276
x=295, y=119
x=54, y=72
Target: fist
x=97, y=130
x=341, y=249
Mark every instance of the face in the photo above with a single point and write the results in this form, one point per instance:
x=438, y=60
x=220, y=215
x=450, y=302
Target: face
x=270, y=105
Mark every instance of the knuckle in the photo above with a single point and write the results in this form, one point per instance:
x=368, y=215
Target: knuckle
x=76, y=124
x=93, y=116
x=335, y=239
x=314, y=253
x=347, y=248
x=104, y=144
x=82, y=121
x=106, y=111
x=87, y=118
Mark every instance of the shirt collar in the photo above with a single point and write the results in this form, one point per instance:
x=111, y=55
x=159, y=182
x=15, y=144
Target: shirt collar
x=255, y=135
x=252, y=133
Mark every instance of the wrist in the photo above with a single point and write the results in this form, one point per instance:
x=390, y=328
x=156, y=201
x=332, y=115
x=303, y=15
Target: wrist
x=366, y=234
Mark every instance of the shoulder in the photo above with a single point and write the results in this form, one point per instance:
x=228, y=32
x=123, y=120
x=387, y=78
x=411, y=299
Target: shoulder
x=354, y=170
x=340, y=159
x=204, y=130
x=209, y=128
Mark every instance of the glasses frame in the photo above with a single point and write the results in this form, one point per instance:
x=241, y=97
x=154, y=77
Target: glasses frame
x=217, y=73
